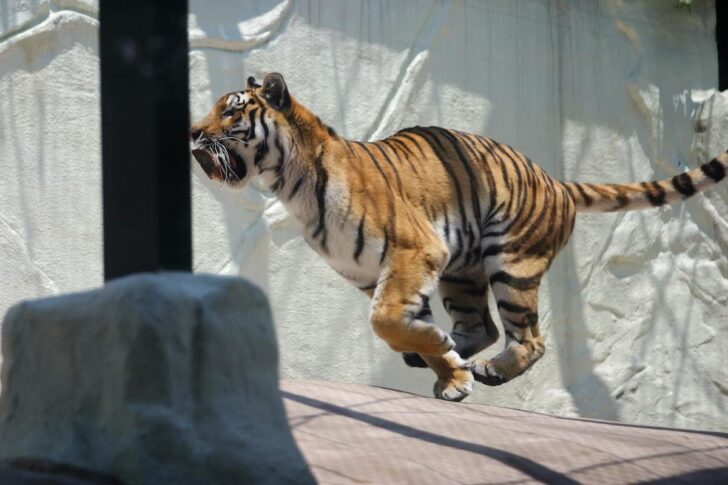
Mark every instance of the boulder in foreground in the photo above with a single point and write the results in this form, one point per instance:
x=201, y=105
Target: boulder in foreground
x=169, y=378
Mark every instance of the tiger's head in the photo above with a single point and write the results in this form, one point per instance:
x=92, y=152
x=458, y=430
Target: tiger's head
x=235, y=141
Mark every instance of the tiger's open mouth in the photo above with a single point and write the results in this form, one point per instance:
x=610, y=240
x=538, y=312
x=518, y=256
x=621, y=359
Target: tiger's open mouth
x=233, y=170
x=237, y=164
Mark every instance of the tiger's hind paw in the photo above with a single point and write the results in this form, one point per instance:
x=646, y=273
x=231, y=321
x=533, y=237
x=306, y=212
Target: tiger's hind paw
x=485, y=373
x=413, y=359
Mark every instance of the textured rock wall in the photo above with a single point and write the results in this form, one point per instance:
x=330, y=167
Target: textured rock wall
x=634, y=309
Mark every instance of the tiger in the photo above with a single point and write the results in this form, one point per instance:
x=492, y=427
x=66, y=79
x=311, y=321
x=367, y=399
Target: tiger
x=426, y=209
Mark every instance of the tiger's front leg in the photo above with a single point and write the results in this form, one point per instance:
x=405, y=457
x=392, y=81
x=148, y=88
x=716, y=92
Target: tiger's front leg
x=402, y=291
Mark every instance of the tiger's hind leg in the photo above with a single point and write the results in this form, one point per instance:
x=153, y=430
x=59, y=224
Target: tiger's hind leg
x=517, y=300
x=465, y=300
x=397, y=316
x=515, y=266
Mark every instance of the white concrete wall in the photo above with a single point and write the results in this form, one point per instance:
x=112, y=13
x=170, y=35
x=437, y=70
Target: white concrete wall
x=634, y=309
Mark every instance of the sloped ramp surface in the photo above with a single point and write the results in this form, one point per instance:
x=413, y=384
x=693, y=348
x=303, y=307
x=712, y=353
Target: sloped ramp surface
x=359, y=434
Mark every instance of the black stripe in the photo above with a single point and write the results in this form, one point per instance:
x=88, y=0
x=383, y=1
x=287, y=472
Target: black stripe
x=359, y=240
x=474, y=192
x=427, y=208
x=264, y=124
x=397, y=146
x=391, y=165
x=322, y=179
x=348, y=210
x=542, y=245
x=460, y=308
x=442, y=156
x=534, y=224
x=565, y=226
x=516, y=221
x=683, y=184
x=296, y=187
x=403, y=134
x=374, y=161
x=251, y=118
x=588, y=200
x=456, y=280
x=447, y=226
x=714, y=169
x=519, y=177
x=504, y=173
x=475, y=291
x=654, y=192
x=458, y=247
x=392, y=216
x=471, y=239
x=424, y=312
x=529, y=319
x=512, y=336
x=517, y=282
x=492, y=250
x=262, y=149
x=511, y=199
x=512, y=307
x=347, y=143
x=280, y=180
x=488, y=175
x=491, y=214
x=570, y=192
x=622, y=200
x=446, y=303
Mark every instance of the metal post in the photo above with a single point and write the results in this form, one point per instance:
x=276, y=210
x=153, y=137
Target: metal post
x=145, y=124
x=721, y=39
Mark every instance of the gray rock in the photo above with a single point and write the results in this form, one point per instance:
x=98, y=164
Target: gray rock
x=169, y=378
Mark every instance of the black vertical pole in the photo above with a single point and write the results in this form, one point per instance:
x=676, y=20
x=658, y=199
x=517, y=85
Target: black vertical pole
x=145, y=124
x=721, y=39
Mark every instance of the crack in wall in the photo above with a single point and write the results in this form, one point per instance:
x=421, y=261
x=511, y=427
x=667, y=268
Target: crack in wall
x=274, y=18
x=45, y=25
x=45, y=13
x=197, y=38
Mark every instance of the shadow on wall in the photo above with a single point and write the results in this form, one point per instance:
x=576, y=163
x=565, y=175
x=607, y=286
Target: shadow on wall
x=554, y=79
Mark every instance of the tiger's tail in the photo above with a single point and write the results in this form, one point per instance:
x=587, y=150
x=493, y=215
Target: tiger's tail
x=645, y=195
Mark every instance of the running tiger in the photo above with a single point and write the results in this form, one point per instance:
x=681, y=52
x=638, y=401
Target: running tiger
x=425, y=209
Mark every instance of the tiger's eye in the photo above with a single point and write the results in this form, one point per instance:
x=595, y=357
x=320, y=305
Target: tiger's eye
x=228, y=112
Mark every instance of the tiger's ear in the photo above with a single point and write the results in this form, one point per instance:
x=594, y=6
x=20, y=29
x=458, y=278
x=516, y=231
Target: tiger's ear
x=252, y=84
x=275, y=92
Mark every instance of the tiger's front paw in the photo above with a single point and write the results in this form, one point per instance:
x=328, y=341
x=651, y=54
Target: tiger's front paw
x=456, y=388
x=485, y=372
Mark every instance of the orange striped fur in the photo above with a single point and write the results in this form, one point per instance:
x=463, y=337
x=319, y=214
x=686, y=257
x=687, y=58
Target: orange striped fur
x=425, y=209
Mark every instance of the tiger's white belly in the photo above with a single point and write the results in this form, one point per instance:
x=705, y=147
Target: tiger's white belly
x=341, y=248
x=342, y=228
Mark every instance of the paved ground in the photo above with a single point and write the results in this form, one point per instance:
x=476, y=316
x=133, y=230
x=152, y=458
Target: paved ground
x=360, y=434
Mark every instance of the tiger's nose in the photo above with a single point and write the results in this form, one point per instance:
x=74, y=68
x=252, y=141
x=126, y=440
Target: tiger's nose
x=204, y=158
x=195, y=133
